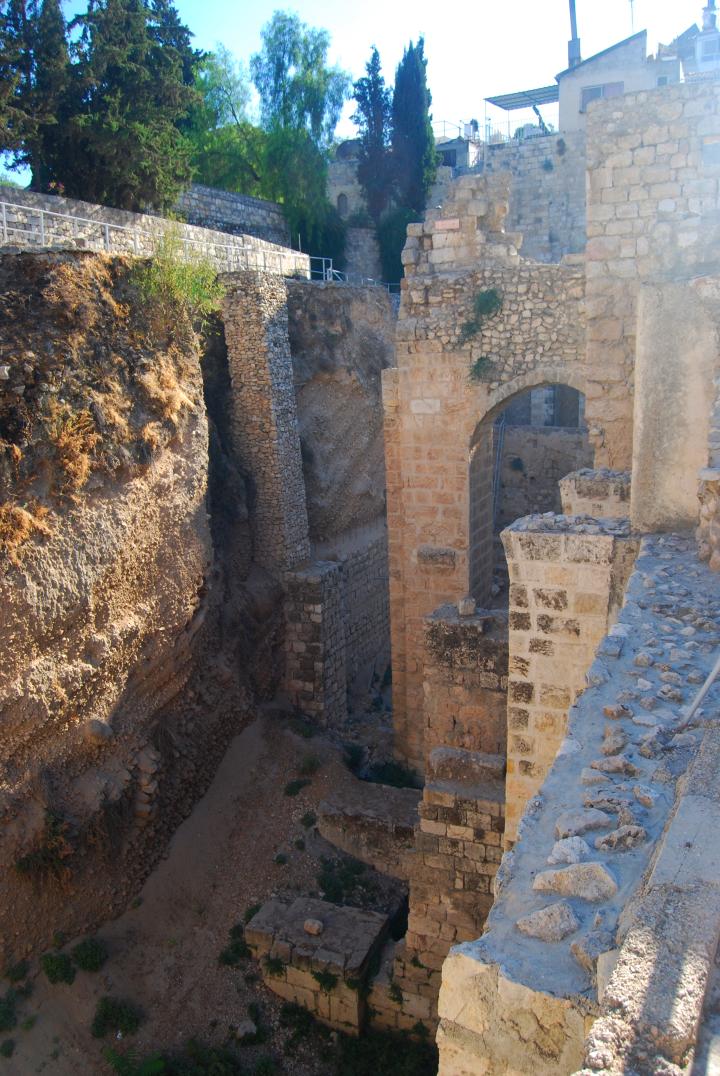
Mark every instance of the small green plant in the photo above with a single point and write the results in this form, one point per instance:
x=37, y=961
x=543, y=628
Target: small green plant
x=342, y=881
x=29, y=1024
x=301, y=726
x=58, y=967
x=561, y=147
x=480, y=368
x=395, y=993
x=485, y=304
x=310, y=765
x=293, y=787
x=115, y=1015
x=178, y=277
x=395, y=774
x=274, y=966
x=548, y=166
x=49, y=858
x=299, y=1019
x=90, y=954
x=7, y=1048
x=8, y=1011
x=250, y=912
x=416, y=963
x=127, y=1065
x=265, y=1067
x=308, y=820
x=353, y=756
x=238, y=948
x=17, y=972
x=300, y=844
x=325, y=980
x=281, y=859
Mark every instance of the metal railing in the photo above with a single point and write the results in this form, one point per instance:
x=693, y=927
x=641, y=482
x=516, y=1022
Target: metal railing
x=326, y=272
x=31, y=225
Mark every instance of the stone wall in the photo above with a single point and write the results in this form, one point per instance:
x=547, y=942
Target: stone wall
x=342, y=179
x=117, y=231
x=362, y=255
x=465, y=666
x=534, y=459
x=237, y=214
x=366, y=604
x=547, y=193
x=315, y=643
x=653, y=196
x=596, y=882
x=439, y=503
x=566, y=583
x=599, y=493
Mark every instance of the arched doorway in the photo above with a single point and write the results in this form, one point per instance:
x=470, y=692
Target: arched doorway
x=518, y=453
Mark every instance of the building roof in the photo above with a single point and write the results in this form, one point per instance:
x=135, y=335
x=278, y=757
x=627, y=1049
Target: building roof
x=611, y=48
x=544, y=95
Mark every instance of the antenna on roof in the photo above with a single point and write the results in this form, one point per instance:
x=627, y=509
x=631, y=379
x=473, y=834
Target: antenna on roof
x=574, y=42
x=632, y=16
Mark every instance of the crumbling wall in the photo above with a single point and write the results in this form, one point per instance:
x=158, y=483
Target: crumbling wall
x=534, y=459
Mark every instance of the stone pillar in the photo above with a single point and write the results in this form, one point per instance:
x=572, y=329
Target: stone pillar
x=600, y=493
x=566, y=584
x=264, y=417
x=465, y=681
x=315, y=643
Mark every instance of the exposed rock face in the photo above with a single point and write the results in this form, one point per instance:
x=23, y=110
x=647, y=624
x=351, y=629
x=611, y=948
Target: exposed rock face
x=105, y=446
x=341, y=339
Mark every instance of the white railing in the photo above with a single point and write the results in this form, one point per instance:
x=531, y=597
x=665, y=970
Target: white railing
x=33, y=226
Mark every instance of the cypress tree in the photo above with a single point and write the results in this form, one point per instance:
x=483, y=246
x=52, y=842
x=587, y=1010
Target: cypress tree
x=373, y=118
x=413, y=144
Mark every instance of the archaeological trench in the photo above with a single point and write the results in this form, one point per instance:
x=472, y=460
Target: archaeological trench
x=474, y=542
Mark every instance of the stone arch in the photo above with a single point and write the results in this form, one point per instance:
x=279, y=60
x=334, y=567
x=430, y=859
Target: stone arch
x=482, y=471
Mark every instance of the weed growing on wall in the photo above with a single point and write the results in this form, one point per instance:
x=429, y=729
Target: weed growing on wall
x=485, y=304
x=179, y=277
x=48, y=858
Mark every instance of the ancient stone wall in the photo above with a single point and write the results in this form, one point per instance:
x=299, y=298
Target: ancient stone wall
x=598, y=493
x=342, y=179
x=653, y=196
x=547, y=193
x=238, y=214
x=117, y=231
x=533, y=460
x=566, y=583
x=439, y=503
x=362, y=255
x=315, y=643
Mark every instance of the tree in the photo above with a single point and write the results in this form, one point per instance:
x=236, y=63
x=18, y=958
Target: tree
x=413, y=144
x=300, y=103
x=373, y=118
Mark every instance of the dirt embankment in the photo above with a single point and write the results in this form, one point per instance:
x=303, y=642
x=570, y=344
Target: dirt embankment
x=118, y=693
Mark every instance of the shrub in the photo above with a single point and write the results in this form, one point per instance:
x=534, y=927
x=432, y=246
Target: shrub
x=8, y=1011
x=90, y=954
x=395, y=993
x=308, y=820
x=16, y=972
x=385, y=1052
x=115, y=1015
x=325, y=980
x=310, y=765
x=485, y=304
x=179, y=278
x=48, y=858
x=548, y=166
x=395, y=774
x=353, y=756
x=237, y=950
x=58, y=967
x=7, y=1048
x=18, y=525
x=265, y=1067
x=293, y=787
x=281, y=859
x=274, y=966
x=392, y=233
x=251, y=911
x=480, y=368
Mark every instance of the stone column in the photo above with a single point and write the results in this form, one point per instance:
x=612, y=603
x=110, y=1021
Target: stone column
x=315, y=643
x=264, y=417
x=566, y=584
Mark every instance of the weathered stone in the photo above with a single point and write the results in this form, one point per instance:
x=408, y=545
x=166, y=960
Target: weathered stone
x=573, y=823
x=615, y=764
x=588, y=881
x=622, y=839
x=589, y=947
x=550, y=924
x=569, y=850
x=313, y=927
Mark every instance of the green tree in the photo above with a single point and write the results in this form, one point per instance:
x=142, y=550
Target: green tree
x=301, y=98
x=413, y=144
x=123, y=145
x=373, y=118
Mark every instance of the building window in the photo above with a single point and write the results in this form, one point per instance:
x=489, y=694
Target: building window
x=662, y=80
x=342, y=205
x=709, y=47
x=594, y=93
x=449, y=157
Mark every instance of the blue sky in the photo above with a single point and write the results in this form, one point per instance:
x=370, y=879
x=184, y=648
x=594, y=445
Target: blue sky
x=473, y=50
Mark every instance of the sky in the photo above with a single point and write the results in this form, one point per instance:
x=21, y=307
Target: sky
x=473, y=50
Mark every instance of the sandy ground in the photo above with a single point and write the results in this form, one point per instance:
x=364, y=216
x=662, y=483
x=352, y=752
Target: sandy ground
x=164, y=948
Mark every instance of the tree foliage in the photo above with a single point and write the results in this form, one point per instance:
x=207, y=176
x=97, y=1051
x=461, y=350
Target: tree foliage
x=373, y=118
x=413, y=144
x=95, y=110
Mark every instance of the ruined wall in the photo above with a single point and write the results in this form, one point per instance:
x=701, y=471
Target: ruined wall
x=566, y=583
x=434, y=411
x=362, y=254
x=598, y=492
x=547, y=193
x=653, y=197
x=105, y=554
x=534, y=459
x=238, y=214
